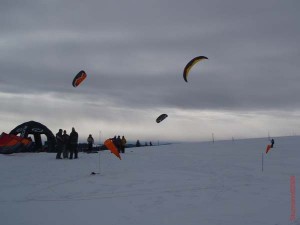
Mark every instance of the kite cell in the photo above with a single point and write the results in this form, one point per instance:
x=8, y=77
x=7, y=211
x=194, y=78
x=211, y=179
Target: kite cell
x=79, y=78
x=191, y=63
x=161, y=118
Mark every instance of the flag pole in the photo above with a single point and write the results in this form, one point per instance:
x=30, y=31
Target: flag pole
x=262, y=162
x=99, y=169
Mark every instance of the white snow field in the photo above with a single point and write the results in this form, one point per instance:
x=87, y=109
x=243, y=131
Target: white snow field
x=206, y=183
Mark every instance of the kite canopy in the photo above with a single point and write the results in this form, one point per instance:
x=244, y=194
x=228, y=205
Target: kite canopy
x=191, y=63
x=10, y=143
x=161, y=118
x=79, y=78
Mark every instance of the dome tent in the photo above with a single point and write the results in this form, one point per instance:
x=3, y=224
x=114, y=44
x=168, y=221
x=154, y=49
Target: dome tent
x=36, y=129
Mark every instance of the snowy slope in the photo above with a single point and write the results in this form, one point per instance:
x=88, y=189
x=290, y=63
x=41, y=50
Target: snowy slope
x=178, y=184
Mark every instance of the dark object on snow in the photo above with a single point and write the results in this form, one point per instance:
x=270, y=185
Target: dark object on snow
x=123, y=144
x=90, y=141
x=60, y=143
x=73, y=144
x=93, y=173
x=272, y=143
x=91, y=152
x=138, y=144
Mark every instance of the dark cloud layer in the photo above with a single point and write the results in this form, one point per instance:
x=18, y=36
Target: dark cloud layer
x=134, y=53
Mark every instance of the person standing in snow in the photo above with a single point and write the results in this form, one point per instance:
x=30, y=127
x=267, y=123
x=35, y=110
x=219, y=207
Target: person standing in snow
x=123, y=143
x=59, y=144
x=90, y=141
x=272, y=143
x=114, y=140
x=119, y=144
x=138, y=144
x=66, y=138
x=73, y=144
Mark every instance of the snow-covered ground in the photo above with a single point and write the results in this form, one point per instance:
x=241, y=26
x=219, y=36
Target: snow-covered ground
x=219, y=183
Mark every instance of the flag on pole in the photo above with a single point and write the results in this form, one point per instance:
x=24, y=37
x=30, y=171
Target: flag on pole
x=268, y=148
x=111, y=146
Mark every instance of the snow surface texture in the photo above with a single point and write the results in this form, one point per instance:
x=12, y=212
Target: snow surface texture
x=219, y=183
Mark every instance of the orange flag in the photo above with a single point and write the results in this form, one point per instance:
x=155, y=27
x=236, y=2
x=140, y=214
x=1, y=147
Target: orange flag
x=268, y=148
x=110, y=145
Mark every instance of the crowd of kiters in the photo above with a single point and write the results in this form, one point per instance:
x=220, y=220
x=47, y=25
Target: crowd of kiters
x=119, y=143
x=67, y=145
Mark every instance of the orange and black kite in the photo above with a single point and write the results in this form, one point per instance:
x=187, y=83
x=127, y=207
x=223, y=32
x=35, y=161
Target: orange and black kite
x=79, y=78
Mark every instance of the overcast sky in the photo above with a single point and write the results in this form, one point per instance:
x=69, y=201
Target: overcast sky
x=134, y=53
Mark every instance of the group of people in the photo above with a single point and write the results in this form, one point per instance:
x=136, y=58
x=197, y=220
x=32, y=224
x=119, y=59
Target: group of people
x=117, y=140
x=119, y=143
x=67, y=145
x=138, y=144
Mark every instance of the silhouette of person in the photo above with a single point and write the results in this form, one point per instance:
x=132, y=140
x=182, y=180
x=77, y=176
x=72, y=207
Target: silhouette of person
x=66, y=138
x=90, y=141
x=272, y=143
x=73, y=140
x=123, y=143
x=138, y=144
x=59, y=143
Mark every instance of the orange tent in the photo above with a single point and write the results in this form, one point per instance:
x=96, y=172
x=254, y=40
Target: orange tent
x=111, y=146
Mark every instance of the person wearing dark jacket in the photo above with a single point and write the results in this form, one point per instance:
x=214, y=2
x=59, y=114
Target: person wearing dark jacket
x=73, y=140
x=272, y=143
x=119, y=143
x=123, y=143
x=138, y=144
x=66, y=138
x=114, y=140
x=59, y=144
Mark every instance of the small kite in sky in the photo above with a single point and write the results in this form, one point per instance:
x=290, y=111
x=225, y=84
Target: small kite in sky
x=189, y=66
x=79, y=78
x=161, y=118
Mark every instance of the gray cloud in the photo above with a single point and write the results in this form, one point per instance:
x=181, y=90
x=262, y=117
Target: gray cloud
x=134, y=53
